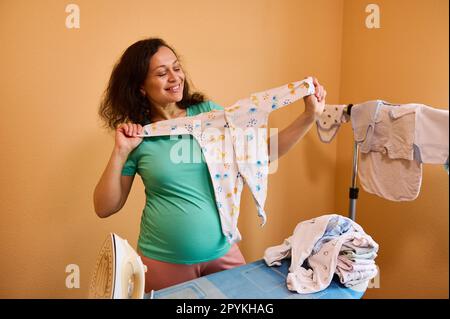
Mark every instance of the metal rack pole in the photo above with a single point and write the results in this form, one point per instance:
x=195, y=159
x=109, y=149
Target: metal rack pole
x=353, y=190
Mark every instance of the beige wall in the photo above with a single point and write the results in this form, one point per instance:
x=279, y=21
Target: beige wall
x=404, y=61
x=54, y=149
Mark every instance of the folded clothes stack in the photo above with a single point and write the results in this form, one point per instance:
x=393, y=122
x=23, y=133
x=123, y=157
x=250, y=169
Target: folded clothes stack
x=356, y=262
x=324, y=246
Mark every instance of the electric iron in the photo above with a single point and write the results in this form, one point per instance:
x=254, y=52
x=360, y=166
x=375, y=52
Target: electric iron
x=119, y=272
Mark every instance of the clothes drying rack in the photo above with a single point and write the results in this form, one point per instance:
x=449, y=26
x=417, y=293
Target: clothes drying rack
x=353, y=190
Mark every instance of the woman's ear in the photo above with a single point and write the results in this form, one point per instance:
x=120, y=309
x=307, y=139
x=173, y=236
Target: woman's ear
x=143, y=92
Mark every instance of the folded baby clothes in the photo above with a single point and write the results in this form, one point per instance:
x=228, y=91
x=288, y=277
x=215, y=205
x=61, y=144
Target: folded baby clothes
x=311, y=269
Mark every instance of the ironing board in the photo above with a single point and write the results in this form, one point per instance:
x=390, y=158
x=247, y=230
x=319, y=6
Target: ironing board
x=255, y=280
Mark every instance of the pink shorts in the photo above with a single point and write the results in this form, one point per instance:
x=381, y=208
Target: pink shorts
x=161, y=274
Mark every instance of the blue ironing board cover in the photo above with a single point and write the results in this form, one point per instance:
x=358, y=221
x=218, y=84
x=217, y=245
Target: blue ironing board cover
x=251, y=281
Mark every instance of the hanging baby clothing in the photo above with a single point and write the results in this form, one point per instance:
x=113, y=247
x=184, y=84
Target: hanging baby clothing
x=394, y=141
x=234, y=144
x=329, y=122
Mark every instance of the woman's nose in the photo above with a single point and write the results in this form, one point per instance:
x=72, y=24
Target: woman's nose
x=172, y=77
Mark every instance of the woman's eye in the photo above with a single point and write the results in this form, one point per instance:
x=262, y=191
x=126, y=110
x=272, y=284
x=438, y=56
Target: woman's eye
x=162, y=74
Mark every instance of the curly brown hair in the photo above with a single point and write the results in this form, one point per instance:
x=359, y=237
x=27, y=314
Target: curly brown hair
x=122, y=100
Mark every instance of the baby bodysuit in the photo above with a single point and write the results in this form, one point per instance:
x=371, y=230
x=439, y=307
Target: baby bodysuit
x=235, y=146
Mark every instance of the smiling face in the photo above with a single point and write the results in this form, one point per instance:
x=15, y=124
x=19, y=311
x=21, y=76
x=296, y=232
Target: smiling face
x=165, y=78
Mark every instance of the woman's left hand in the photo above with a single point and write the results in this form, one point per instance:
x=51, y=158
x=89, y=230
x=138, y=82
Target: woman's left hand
x=314, y=104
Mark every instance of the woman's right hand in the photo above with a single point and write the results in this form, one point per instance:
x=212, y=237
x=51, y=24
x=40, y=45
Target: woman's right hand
x=126, y=139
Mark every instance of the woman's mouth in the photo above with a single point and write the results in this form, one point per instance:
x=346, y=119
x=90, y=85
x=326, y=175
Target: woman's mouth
x=174, y=89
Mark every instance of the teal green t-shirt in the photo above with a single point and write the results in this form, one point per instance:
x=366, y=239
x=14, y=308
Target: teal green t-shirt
x=180, y=222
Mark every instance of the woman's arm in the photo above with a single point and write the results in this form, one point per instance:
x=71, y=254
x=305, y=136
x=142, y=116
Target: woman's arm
x=292, y=134
x=112, y=190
